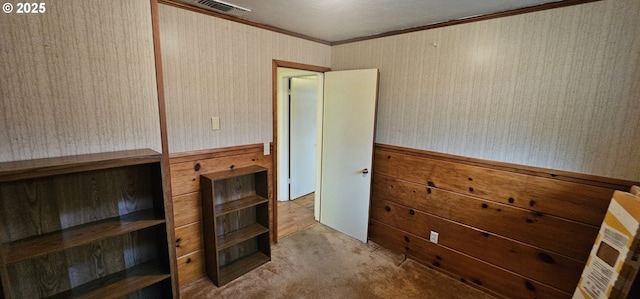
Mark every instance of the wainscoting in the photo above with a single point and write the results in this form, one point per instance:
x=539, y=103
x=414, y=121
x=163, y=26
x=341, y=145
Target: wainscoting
x=510, y=230
x=186, y=169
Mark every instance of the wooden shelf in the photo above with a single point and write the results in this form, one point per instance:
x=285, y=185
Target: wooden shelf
x=236, y=269
x=80, y=235
x=241, y=235
x=72, y=214
x=29, y=169
x=227, y=174
x=235, y=243
x=119, y=284
x=239, y=204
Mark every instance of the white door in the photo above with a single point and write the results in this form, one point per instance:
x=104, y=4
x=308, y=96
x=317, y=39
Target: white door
x=302, y=138
x=347, y=152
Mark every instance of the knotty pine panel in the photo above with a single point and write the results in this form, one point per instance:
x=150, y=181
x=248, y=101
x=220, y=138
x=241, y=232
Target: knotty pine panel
x=542, y=265
x=185, y=176
x=190, y=267
x=563, y=236
x=579, y=202
x=78, y=79
x=189, y=238
x=467, y=269
x=185, y=180
x=187, y=208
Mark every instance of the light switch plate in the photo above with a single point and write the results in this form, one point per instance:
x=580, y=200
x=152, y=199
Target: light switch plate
x=267, y=149
x=215, y=123
x=433, y=238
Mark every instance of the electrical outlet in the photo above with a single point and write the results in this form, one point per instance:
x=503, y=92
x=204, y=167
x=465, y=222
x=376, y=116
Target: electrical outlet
x=433, y=238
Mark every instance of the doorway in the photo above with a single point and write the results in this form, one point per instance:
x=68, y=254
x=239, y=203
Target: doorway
x=346, y=106
x=282, y=73
x=298, y=100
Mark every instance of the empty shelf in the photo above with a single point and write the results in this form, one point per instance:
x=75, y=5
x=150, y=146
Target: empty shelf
x=239, y=204
x=119, y=284
x=79, y=235
x=237, y=268
x=241, y=235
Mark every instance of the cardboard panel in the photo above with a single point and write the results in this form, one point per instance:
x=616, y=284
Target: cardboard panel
x=614, y=260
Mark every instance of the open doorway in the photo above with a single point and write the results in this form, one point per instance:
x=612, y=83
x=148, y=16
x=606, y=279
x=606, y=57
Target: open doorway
x=345, y=117
x=299, y=117
x=307, y=75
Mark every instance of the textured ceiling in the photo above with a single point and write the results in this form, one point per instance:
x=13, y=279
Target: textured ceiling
x=338, y=20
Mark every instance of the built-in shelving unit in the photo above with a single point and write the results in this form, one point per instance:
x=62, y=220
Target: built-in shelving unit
x=235, y=214
x=87, y=226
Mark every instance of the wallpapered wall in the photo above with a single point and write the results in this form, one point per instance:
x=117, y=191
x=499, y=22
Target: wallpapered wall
x=214, y=67
x=77, y=79
x=557, y=88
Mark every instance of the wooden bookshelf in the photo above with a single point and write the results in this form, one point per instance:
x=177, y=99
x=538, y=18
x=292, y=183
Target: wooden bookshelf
x=238, y=268
x=119, y=284
x=96, y=223
x=241, y=235
x=235, y=222
x=76, y=236
x=239, y=204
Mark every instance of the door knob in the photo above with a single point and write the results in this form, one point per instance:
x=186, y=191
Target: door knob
x=365, y=171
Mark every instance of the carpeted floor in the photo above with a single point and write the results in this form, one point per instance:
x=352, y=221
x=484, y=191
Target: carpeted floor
x=319, y=262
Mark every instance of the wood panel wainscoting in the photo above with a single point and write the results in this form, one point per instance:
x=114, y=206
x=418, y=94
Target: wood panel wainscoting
x=186, y=169
x=513, y=231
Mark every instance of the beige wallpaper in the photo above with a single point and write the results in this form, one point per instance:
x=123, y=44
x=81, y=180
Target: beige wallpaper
x=557, y=88
x=79, y=78
x=213, y=67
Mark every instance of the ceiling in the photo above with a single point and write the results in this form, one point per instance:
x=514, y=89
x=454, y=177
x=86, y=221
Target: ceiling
x=339, y=20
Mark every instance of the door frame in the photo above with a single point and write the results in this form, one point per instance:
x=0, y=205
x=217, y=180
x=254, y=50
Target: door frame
x=274, y=155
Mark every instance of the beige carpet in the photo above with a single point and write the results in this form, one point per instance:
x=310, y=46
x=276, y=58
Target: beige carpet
x=319, y=262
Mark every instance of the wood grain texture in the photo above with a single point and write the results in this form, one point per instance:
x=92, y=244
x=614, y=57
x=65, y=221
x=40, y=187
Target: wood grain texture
x=187, y=209
x=497, y=218
x=189, y=238
x=570, y=200
x=234, y=235
x=186, y=170
x=73, y=225
x=215, y=67
x=190, y=267
x=553, y=233
x=550, y=268
x=78, y=79
x=186, y=179
x=29, y=169
x=76, y=236
x=61, y=272
x=33, y=207
x=475, y=272
x=555, y=88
